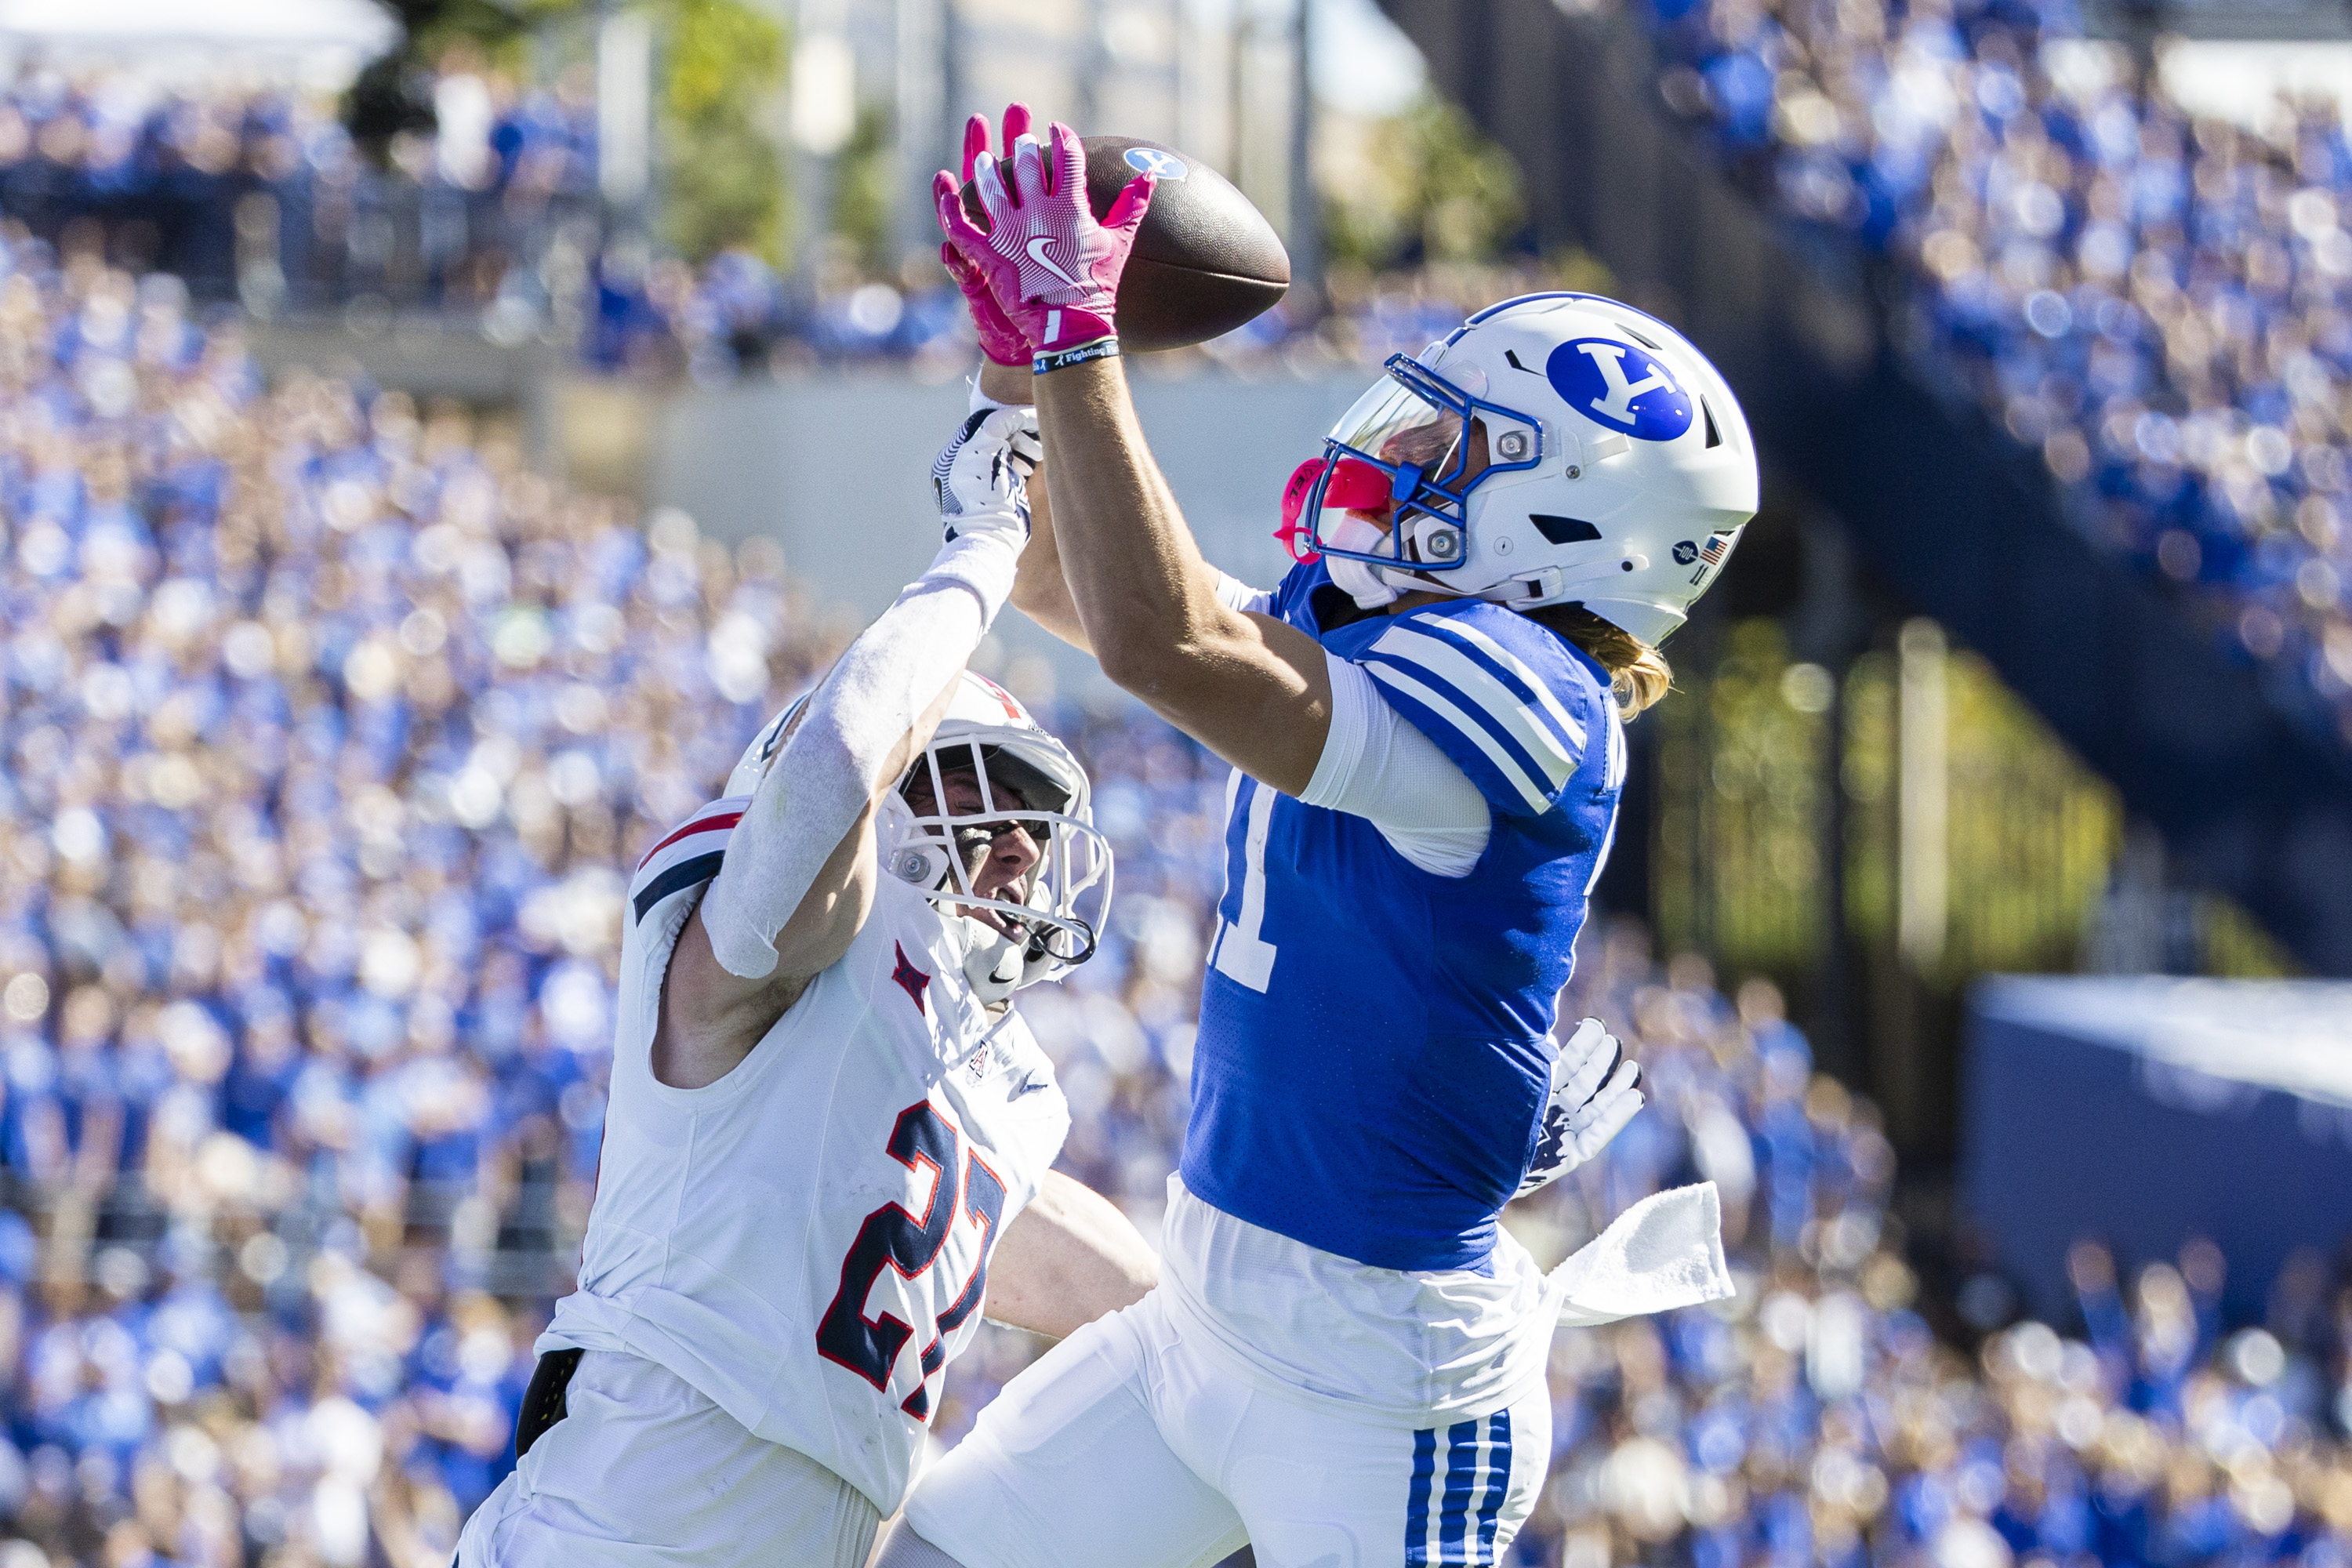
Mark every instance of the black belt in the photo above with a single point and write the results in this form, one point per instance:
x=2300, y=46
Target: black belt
x=542, y=1402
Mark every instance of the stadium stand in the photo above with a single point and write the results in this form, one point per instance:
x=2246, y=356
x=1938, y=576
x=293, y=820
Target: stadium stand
x=1869, y=379
x=2155, y=302
x=331, y=728
x=163, y=170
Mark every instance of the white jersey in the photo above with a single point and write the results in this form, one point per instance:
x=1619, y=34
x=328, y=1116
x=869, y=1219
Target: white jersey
x=806, y=1241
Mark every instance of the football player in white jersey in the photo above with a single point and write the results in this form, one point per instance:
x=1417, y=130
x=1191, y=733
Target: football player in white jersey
x=1344, y=1364
x=829, y=1132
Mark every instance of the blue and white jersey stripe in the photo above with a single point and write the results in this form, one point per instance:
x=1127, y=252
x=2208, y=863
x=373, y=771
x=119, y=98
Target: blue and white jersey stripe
x=1468, y=1499
x=1487, y=705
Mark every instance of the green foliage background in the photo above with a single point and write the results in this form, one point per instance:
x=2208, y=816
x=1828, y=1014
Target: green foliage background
x=719, y=68
x=721, y=64
x=1441, y=191
x=862, y=176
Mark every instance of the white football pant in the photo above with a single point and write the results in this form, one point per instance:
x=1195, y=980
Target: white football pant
x=645, y=1472
x=1125, y=1447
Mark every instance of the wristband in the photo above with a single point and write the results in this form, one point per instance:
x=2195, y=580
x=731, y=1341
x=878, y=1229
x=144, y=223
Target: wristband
x=1061, y=359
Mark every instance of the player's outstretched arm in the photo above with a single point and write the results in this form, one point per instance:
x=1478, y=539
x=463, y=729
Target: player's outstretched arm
x=711, y=1015
x=798, y=877
x=1249, y=687
x=1039, y=591
x=1067, y=1259
x=1045, y=271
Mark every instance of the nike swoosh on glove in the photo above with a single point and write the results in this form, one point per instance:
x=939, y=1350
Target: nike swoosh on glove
x=982, y=478
x=1052, y=269
x=1594, y=1092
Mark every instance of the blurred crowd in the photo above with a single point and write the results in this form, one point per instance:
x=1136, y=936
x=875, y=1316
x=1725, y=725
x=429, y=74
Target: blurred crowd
x=2155, y=302
x=737, y=315
x=261, y=191
x=330, y=732
x=1819, y=1418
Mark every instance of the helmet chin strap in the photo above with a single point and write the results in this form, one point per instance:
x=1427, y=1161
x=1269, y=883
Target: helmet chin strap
x=1361, y=581
x=994, y=962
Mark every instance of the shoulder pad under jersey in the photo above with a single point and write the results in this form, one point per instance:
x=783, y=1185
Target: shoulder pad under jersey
x=1512, y=704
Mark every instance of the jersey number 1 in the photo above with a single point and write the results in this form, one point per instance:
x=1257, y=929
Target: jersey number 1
x=909, y=1245
x=1243, y=956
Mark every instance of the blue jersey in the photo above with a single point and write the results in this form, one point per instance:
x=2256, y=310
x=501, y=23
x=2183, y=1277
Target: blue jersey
x=1375, y=1048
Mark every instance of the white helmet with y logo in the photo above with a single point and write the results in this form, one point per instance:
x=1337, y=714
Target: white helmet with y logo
x=1617, y=472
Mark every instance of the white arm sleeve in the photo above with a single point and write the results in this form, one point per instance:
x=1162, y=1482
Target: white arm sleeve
x=1235, y=594
x=833, y=763
x=1376, y=765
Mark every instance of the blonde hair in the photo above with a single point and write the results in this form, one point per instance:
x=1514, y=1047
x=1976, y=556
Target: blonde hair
x=1638, y=673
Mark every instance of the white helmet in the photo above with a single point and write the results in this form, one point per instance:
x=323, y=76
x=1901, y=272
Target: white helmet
x=988, y=732
x=1618, y=467
x=752, y=765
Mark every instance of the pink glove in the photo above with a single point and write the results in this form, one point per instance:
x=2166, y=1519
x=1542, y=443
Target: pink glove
x=1048, y=263
x=1000, y=339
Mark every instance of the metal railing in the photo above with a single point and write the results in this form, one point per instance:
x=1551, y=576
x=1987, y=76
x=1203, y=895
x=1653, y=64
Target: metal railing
x=348, y=239
x=524, y=1248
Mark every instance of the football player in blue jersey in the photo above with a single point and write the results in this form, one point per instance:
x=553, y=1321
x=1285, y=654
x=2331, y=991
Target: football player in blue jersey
x=1344, y=1363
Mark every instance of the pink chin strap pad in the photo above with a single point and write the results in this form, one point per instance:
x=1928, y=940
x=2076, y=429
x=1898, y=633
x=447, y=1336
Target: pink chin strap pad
x=1355, y=485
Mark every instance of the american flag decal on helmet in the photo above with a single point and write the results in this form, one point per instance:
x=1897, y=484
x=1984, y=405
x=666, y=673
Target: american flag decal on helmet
x=1710, y=556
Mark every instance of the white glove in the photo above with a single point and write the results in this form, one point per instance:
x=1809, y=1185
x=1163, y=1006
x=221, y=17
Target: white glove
x=1594, y=1092
x=982, y=478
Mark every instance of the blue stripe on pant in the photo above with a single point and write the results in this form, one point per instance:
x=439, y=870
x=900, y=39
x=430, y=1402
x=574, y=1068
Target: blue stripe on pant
x=1499, y=1481
x=1416, y=1507
x=1457, y=1544
x=1461, y=1473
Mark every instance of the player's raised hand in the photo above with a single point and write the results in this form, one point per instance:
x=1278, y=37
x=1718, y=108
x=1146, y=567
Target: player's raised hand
x=1594, y=1092
x=982, y=478
x=1047, y=262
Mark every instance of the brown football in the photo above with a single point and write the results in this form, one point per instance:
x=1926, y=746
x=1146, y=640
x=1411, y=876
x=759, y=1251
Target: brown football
x=1204, y=261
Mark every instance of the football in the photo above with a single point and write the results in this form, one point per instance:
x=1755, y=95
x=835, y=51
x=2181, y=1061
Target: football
x=1205, y=260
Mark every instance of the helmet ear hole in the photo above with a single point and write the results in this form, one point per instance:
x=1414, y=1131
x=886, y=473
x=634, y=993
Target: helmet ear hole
x=1563, y=530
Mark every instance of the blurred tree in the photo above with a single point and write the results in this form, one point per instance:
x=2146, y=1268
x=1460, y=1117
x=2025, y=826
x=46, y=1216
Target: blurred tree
x=722, y=63
x=1430, y=188
x=720, y=67
x=862, y=192
x=395, y=93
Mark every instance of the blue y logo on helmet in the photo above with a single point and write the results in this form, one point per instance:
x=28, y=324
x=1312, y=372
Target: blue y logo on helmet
x=1621, y=387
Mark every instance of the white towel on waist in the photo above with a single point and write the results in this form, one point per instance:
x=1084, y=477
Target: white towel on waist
x=1664, y=1252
